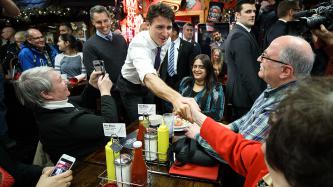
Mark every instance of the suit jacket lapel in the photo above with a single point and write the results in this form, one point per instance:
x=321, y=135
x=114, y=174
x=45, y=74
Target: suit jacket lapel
x=249, y=34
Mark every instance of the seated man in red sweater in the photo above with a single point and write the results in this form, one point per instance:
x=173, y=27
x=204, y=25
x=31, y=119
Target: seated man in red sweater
x=297, y=150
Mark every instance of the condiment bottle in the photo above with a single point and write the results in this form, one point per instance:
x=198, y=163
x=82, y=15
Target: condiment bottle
x=139, y=168
x=142, y=130
x=151, y=145
x=110, y=157
x=123, y=169
x=163, y=142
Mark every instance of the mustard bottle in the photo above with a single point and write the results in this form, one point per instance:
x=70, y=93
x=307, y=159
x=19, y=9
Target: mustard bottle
x=110, y=156
x=163, y=142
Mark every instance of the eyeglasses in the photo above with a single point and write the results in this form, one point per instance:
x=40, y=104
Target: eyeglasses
x=38, y=37
x=262, y=56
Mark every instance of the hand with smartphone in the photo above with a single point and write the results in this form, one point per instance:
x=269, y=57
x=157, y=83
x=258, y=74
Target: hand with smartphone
x=58, y=176
x=99, y=66
x=64, y=163
x=99, y=70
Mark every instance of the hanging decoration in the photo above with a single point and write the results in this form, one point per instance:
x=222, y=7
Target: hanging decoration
x=52, y=14
x=131, y=24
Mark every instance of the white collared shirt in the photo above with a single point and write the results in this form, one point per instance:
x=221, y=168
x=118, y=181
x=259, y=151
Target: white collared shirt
x=103, y=36
x=51, y=105
x=187, y=40
x=140, y=57
x=175, y=57
x=246, y=28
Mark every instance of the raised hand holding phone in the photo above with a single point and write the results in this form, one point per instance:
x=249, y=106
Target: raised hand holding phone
x=61, y=180
x=64, y=163
x=105, y=85
x=99, y=66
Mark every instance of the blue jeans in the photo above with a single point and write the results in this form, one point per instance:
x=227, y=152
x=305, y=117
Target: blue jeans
x=3, y=124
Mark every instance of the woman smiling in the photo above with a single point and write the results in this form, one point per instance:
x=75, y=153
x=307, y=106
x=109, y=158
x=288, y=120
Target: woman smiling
x=204, y=88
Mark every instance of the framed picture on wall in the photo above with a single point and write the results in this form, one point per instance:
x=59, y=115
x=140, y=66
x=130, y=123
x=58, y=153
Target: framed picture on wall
x=205, y=34
x=215, y=12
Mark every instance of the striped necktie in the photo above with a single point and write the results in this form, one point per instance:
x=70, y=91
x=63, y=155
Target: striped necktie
x=157, y=58
x=171, y=63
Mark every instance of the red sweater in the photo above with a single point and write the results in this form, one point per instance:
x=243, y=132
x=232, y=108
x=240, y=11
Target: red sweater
x=244, y=156
x=6, y=180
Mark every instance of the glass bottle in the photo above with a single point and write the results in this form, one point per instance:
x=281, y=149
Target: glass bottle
x=151, y=146
x=142, y=129
x=139, y=168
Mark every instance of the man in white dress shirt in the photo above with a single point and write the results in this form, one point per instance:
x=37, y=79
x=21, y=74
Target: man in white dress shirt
x=139, y=75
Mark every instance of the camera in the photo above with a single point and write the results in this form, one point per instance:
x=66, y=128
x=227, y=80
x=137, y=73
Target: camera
x=313, y=18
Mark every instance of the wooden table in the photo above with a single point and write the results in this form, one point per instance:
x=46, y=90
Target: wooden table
x=86, y=172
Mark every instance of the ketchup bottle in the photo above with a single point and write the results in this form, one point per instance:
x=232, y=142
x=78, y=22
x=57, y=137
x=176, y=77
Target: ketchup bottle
x=139, y=168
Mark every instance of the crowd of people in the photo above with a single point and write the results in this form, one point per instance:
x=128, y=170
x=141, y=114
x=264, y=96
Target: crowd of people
x=280, y=122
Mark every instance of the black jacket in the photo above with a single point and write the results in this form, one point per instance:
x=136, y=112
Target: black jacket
x=241, y=53
x=74, y=131
x=186, y=54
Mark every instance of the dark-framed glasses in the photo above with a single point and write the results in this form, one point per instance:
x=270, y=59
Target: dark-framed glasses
x=38, y=37
x=262, y=56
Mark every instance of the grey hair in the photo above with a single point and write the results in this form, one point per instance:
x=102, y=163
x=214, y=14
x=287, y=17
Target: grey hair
x=31, y=84
x=98, y=9
x=301, y=60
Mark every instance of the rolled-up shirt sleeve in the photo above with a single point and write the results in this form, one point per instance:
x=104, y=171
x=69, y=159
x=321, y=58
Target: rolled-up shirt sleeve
x=142, y=59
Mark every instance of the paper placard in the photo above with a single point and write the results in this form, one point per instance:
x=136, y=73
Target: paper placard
x=149, y=109
x=118, y=129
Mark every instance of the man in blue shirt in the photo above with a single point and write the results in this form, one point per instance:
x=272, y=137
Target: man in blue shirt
x=35, y=52
x=287, y=59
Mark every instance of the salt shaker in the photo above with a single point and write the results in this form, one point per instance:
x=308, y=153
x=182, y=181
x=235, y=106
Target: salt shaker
x=151, y=146
x=123, y=170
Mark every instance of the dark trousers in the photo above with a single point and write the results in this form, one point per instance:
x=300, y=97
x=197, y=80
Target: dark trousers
x=131, y=95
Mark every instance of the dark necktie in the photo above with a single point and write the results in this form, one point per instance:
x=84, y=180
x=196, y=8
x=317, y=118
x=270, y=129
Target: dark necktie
x=108, y=37
x=157, y=58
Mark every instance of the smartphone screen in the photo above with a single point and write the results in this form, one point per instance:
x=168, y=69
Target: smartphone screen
x=64, y=163
x=99, y=65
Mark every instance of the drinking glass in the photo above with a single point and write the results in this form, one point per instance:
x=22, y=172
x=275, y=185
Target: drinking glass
x=168, y=121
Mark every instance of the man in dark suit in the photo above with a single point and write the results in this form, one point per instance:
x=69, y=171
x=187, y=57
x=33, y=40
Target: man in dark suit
x=241, y=53
x=188, y=32
x=177, y=62
x=286, y=11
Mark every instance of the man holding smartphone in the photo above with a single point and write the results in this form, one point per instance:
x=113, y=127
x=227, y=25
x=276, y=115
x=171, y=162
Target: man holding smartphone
x=107, y=46
x=104, y=45
x=139, y=74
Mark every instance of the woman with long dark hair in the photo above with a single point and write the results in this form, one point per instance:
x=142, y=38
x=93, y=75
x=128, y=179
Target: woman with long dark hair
x=204, y=88
x=70, y=61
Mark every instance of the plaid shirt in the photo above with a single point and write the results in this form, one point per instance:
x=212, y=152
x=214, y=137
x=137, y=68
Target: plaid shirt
x=253, y=125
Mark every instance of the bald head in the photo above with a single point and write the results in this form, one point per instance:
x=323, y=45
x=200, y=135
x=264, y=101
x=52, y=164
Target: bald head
x=295, y=51
x=19, y=37
x=35, y=38
x=8, y=33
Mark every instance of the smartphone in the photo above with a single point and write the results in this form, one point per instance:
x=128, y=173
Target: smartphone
x=64, y=163
x=99, y=66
